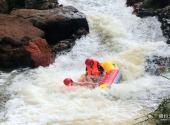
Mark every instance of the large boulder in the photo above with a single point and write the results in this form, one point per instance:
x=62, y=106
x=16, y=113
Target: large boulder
x=3, y=6
x=58, y=24
x=25, y=34
x=34, y=53
x=13, y=55
x=15, y=34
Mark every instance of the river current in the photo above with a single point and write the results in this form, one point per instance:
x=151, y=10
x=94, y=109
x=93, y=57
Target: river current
x=38, y=96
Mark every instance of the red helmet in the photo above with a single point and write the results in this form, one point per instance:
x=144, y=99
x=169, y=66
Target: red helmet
x=68, y=81
x=88, y=61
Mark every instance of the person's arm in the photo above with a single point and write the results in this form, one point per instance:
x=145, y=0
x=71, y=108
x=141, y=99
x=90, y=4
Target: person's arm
x=86, y=84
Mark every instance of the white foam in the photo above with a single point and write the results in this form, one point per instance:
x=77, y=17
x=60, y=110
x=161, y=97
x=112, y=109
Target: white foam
x=39, y=97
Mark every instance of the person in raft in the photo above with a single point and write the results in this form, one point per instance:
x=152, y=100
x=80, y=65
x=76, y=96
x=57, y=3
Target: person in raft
x=94, y=71
x=92, y=77
x=96, y=74
x=100, y=74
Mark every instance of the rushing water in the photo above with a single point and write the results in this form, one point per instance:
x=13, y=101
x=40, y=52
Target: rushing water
x=38, y=97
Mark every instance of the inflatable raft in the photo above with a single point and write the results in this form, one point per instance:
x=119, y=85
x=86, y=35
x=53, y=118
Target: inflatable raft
x=112, y=77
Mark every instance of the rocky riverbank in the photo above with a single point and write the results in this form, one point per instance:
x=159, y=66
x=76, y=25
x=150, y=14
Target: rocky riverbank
x=32, y=32
x=156, y=64
x=161, y=9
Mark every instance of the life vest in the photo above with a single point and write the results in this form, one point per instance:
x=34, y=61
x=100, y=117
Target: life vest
x=93, y=70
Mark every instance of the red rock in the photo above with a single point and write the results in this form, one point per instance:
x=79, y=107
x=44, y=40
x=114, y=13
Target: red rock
x=15, y=33
x=16, y=28
x=40, y=52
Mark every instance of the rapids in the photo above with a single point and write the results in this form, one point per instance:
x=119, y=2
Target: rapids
x=38, y=96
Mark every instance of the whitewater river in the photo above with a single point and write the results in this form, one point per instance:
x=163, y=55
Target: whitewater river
x=38, y=97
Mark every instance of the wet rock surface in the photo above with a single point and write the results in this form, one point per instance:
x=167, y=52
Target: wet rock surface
x=157, y=65
x=30, y=37
x=159, y=8
x=14, y=34
x=40, y=52
x=17, y=28
x=58, y=24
